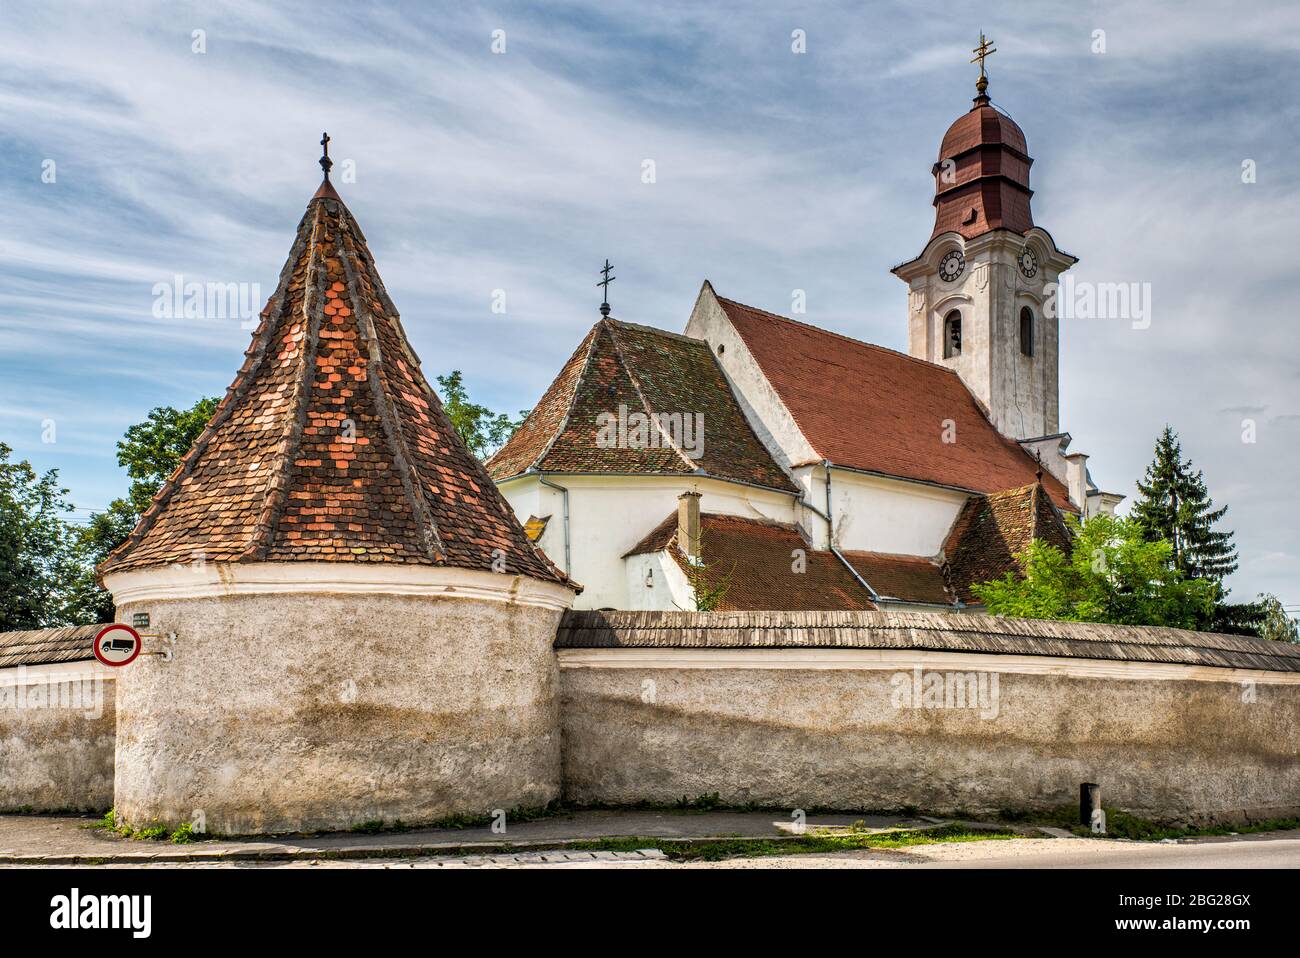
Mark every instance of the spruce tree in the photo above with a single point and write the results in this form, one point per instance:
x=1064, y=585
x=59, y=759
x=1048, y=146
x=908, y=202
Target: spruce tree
x=1174, y=505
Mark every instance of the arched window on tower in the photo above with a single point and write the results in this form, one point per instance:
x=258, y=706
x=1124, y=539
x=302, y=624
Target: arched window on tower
x=952, y=335
x=1026, y=330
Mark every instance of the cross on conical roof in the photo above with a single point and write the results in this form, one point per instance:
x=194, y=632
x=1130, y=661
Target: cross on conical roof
x=330, y=445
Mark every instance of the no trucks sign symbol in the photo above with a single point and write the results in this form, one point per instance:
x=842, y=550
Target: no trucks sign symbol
x=117, y=644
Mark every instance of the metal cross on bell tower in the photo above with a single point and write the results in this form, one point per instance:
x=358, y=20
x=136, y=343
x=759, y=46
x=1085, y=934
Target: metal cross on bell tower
x=981, y=53
x=325, y=161
x=604, y=306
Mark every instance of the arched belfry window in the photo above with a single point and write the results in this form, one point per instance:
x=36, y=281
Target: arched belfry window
x=952, y=334
x=1026, y=330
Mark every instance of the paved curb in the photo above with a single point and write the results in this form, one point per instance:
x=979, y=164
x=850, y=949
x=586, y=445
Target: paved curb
x=295, y=853
x=263, y=853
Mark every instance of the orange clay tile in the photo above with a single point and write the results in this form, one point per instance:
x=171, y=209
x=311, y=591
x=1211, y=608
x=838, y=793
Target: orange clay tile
x=274, y=477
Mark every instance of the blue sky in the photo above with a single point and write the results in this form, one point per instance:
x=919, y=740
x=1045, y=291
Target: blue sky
x=521, y=171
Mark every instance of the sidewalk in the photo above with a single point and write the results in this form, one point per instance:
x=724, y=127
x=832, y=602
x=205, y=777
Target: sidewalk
x=65, y=840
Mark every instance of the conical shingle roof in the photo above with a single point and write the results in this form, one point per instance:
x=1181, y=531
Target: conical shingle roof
x=330, y=445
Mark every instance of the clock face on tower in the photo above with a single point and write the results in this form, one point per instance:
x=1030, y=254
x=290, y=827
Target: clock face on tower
x=1028, y=263
x=951, y=266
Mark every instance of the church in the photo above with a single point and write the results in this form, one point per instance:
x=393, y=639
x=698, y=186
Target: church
x=346, y=618
x=755, y=462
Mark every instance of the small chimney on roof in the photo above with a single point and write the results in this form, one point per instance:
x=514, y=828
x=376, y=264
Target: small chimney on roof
x=1076, y=474
x=688, y=524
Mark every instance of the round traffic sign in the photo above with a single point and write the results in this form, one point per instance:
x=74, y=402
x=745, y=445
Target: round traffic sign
x=117, y=644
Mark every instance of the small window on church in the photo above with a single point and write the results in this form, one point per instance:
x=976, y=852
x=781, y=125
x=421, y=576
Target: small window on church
x=1027, y=331
x=952, y=335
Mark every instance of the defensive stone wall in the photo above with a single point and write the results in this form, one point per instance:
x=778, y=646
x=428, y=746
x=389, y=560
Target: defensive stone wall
x=950, y=713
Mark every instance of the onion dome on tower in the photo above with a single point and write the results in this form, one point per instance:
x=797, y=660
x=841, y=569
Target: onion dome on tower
x=981, y=179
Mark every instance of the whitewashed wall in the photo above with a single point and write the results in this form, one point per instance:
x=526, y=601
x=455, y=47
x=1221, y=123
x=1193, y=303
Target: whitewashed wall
x=656, y=582
x=763, y=407
x=876, y=514
x=608, y=515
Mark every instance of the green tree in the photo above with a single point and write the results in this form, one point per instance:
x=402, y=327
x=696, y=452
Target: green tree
x=152, y=449
x=1174, y=505
x=481, y=429
x=1112, y=574
x=105, y=531
x=35, y=546
x=1275, y=622
x=1237, y=618
x=709, y=583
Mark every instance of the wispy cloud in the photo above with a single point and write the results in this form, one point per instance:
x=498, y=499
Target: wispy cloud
x=774, y=171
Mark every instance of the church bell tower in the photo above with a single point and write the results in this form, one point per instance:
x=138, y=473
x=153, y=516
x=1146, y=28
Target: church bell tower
x=980, y=293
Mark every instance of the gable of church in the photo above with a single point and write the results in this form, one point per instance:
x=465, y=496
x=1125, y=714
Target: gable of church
x=640, y=401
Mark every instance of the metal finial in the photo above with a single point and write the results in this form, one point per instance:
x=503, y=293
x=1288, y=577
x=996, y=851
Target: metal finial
x=981, y=53
x=604, y=306
x=325, y=161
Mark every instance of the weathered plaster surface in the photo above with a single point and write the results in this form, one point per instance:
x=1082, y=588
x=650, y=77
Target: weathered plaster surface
x=321, y=711
x=1021, y=393
x=804, y=738
x=56, y=742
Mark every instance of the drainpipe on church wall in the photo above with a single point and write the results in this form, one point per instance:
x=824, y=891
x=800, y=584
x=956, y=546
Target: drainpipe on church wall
x=565, y=493
x=830, y=521
x=830, y=537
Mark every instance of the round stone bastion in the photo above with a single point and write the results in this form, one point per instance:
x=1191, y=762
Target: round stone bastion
x=288, y=697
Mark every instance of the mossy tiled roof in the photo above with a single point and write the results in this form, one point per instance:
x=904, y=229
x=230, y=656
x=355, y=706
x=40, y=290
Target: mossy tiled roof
x=990, y=531
x=625, y=370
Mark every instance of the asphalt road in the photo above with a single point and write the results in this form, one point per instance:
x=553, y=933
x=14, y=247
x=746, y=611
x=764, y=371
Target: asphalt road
x=1274, y=850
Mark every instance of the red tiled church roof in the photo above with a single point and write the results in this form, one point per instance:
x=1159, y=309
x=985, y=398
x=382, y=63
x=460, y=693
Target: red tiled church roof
x=991, y=530
x=646, y=371
x=755, y=560
x=330, y=444
x=870, y=408
x=906, y=578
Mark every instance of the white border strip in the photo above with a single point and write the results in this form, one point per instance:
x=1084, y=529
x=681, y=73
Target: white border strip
x=204, y=580
x=903, y=659
x=52, y=673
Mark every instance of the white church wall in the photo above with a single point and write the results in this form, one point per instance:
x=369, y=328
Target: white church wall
x=655, y=582
x=766, y=413
x=527, y=497
x=877, y=514
x=1021, y=393
x=1050, y=452
x=608, y=515
x=812, y=480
